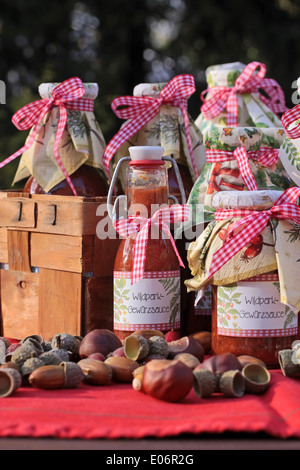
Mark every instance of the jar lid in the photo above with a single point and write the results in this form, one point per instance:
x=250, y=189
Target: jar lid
x=252, y=200
x=142, y=153
x=148, y=89
x=91, y=90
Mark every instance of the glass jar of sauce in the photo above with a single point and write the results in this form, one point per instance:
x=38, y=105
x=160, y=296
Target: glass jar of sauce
x=248, y=317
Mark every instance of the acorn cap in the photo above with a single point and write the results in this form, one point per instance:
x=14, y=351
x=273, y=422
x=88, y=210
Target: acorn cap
x=65, y=341
x=52, y=358
x=287, y=359
x=136, y=347
x=62, y=354
x=232, y=384
x=158, y=346
x=10, y=381
x=257, y=378
x=24, y=352
x=205, y=383
x=30, y=365
x=73, y=374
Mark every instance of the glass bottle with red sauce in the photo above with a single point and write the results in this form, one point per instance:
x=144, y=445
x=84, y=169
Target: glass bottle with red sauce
x=154, y=301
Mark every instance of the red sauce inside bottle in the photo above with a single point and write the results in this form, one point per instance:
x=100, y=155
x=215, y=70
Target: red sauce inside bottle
x=160, y=255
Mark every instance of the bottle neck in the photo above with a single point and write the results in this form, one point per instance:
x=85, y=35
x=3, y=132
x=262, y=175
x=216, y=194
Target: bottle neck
x=147, y=189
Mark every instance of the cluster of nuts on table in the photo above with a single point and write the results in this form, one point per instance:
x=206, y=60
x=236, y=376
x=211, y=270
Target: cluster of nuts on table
x=156, y=364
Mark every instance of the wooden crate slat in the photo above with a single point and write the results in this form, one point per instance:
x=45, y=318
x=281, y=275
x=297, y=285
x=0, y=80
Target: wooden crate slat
x=60, y=297
x=17, y=212
x=3, y=246
x=18, y=250
x=61, y=252
x=19, y=303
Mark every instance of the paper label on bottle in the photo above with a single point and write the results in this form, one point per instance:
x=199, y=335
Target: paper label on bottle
x=252, y=308
x=151, y=303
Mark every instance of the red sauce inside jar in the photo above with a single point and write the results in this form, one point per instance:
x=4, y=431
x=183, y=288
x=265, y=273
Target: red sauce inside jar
x=264, y=348
x=87, y=180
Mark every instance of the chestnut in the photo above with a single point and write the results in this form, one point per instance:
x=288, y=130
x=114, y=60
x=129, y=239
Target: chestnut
x=221, y=363
x=99, y=340
x=186, y=344
x=245, y=359
x=166, y=379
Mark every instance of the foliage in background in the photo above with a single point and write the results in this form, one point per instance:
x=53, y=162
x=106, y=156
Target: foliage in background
x=120, y=44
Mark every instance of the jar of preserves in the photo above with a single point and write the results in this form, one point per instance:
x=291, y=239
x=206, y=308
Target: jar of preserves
x=251, y=266
x=153, y=301
x=63, y=152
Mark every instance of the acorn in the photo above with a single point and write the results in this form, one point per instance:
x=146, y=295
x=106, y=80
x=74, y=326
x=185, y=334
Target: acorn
x=95, y=372
x=136, y=347
x=10, y=381
x=122, y=368
x=137, y=382
x=65, y=341
x=65, y=375
x=205, y=383
x=158, y=346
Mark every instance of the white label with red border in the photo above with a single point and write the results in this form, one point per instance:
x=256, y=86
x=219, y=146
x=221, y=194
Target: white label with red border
x=252, y=308
x=151, y=303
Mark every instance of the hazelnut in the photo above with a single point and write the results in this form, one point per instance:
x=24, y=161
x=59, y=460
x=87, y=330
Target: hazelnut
x=95, y=372
x=148, y=333
x=204, y=338
x=122, y=368
x=186, y=344
x=188, y=359
x=167, y=380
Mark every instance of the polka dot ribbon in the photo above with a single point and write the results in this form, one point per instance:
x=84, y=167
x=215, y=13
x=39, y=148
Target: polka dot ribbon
x=162, y=218
x=265, y=157
x=66, y=95
x=249, y=81
x=139, y=110
x=252, y=224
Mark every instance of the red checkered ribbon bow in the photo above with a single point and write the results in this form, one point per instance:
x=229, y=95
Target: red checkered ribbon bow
x=141, y=109
x=66, y=95
x=252, y=224
x=222, y=97
x=161, y=218
x=290, y=117
x=265, y=157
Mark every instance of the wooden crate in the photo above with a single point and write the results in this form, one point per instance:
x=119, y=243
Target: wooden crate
x=56, y=274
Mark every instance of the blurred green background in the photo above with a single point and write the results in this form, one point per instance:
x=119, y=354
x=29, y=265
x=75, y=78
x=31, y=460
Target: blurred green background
x=119, y=44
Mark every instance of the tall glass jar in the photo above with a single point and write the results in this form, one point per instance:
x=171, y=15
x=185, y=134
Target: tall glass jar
x=153, y=302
